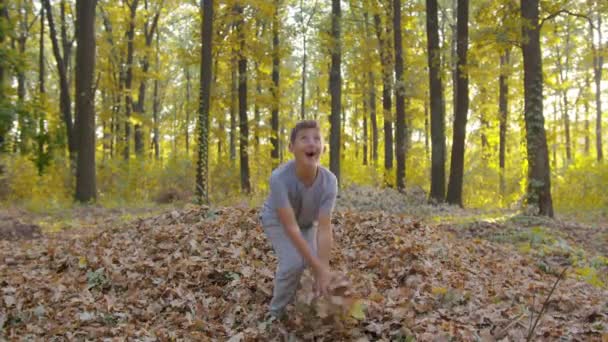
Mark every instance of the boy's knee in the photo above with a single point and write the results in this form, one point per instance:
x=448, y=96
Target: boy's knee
x=288, y=270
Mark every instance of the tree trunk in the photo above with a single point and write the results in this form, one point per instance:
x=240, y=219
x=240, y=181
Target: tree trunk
x=400, y=124
x=562, y=77
x=187, y=108
x=437, y=192
x=139, y=107
x=598, y=62
x=85, y=101
x=243, y=120
x=335, y=86
x=156, y=102
x=386, y=94
x=129, y=76
x=5, y=125
x=256, y=107
x=202, y=175
x=276, y=65
x=503, y=109
x=372, y=94
x=587, y=138
x=233, y=107
x=454, y=195
x=539, y=180
x=65, y=102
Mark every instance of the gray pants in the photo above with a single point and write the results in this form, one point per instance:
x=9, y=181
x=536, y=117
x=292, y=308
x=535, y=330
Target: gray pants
x=290, y=265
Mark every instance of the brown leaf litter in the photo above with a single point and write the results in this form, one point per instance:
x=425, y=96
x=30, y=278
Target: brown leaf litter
x=201, y=274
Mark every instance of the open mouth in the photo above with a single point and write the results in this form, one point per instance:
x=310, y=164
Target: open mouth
x=310, y=154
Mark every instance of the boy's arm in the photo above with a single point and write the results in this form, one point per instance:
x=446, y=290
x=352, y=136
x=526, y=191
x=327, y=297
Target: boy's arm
x=325, y=232
x=288, y=221
x=325, y=238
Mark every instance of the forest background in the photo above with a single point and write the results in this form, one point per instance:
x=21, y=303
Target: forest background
x=271, y=64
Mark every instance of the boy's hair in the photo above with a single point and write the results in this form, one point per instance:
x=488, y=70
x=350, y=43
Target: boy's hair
x=302, y=125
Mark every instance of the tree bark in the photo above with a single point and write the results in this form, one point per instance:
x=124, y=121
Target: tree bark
x=243, y=120
x=539, y=180
x=85, y=101
x=335, y=86
x=400, y=124
x=386, y=94
x=156, y=102
x=276, y=65
x=129, y=76
x=187, y=110
x=233, y=106
x=454, y=195
x=438, y=148
x=587, y=138
x=202, y=175
x=372, y=94
x=503, y=109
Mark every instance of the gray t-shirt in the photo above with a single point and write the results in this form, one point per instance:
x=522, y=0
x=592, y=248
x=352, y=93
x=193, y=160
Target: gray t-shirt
x=307, y=202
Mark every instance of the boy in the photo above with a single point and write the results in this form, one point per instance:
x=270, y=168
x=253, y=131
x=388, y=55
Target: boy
x=301, y=192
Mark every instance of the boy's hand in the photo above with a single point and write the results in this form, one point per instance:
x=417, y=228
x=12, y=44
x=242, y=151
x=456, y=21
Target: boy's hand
x=322, y=280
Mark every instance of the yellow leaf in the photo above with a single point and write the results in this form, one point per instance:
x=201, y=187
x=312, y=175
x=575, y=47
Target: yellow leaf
x=356, y=310
x=439, y=290
x=82, y=262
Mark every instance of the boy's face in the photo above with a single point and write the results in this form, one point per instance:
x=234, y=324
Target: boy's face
x=307, y=147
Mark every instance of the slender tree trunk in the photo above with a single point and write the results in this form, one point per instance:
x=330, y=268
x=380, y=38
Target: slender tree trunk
x=437, y=192
x=400, y=124
x=256, y=107
x=156, y=102
x=4, y=128
x=598, y=62
x=454, y=195
x=85, y=101
x=139, y=107
x=372, y=93
x=503, y=109
x=427, y=125
x=562, y=76
x=233, y=108
x=303, y=90
x=65, y=102
x=335, y=86
x=386, y=94
x=276, y=65
x=587, y=138
x=539, y=180
x=187, y=107
x=129, y=77
x=202, y=175
x=42, y=136
x=243, y=120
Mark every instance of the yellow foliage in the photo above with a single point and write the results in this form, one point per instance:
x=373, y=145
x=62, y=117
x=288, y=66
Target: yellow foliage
x=581, y=186
x=51, y=190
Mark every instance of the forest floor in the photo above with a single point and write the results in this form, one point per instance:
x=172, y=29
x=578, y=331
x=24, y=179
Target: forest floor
x=408, y=271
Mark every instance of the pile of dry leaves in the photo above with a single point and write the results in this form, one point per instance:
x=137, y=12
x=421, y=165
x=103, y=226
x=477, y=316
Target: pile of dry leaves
x=202, y=274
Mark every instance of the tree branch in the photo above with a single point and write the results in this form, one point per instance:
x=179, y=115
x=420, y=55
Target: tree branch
x=565, y=11
x=545, y=305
